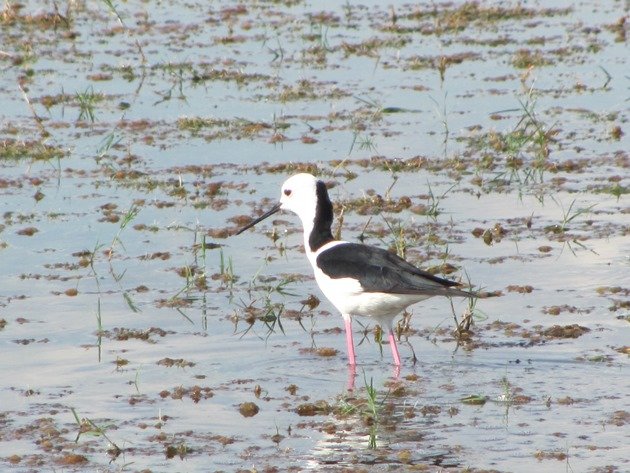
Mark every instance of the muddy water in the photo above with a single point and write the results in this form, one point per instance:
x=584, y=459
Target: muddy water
x=488, y=142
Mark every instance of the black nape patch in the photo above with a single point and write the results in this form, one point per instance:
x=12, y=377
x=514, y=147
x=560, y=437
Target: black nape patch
x=321, y=234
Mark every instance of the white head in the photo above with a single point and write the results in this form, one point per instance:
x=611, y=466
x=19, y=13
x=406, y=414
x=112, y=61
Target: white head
x=306, y=196
x=299, y=195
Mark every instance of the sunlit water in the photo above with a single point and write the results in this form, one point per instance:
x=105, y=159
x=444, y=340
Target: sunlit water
x=553, y=405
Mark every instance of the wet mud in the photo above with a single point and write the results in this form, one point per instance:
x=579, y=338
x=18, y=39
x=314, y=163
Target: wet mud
x=484, y=142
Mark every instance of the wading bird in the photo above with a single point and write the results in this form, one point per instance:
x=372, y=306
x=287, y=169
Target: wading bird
x=359, y=280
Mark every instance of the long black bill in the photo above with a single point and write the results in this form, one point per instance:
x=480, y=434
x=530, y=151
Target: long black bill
x=269, y=213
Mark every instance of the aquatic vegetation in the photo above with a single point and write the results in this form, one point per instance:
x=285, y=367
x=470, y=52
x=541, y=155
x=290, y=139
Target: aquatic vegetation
x=525, y=59
x=476, y=139
x=367, y=409
x=87, y=101
x=473, y=13
x=90, y=428
x=11, y=149
x=524, y=150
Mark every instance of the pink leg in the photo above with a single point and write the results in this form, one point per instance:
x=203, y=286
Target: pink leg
x=394, y=347
x=352, y=373
x=349, y=341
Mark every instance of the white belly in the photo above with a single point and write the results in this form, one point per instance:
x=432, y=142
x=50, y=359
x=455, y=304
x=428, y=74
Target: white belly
x=348, y=297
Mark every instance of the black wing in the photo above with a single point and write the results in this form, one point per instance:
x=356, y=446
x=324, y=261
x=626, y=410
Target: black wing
x=378, y=270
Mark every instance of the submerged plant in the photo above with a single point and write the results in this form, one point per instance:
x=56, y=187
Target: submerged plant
x=471, y=313
x=442, y=114
x=559, y=230
x=111, y=6
x=226, y=270
x=434, y=201
x=107, y=143
x=368, y=409
x=87, y=101
x=128, y=217
x=571, y=214
x=526, y=147
x=99, y=328
x=373, y=408
x=36, y=150
x=263, y=305
x=89, y=427
x=361, y=137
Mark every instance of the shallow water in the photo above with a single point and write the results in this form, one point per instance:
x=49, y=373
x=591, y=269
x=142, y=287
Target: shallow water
x=129, y=142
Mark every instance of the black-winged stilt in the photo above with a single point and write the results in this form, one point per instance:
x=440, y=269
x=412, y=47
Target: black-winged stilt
x=357, y=279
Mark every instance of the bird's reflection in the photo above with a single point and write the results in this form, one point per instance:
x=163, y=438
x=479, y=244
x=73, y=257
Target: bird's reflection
x=352, y=375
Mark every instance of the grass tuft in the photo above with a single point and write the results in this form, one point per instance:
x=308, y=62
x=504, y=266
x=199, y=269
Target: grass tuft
x=15, y=150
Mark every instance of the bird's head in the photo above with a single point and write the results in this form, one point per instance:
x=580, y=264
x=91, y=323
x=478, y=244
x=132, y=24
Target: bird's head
x=299, y=194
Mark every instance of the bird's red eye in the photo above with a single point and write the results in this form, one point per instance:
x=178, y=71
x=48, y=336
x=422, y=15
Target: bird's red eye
x=287, y=192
